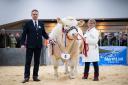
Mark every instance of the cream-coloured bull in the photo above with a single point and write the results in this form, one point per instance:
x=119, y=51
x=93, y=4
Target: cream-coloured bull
x=66, y=46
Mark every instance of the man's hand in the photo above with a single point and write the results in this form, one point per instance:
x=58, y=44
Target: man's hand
x=22, y=46
x=8, y=47
x=85, y=35
x=51, y=41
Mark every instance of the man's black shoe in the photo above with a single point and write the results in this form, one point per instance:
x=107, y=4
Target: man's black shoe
x=25, y=80
x=36, y=79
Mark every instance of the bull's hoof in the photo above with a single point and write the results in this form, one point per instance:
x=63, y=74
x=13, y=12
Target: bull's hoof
x=72, y=77
x=67, y=72
x=56, y=77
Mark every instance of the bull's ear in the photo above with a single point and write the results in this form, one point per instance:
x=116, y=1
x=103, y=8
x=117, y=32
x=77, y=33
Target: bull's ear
x=78, y=23
x=59, y=20
x=81, y=23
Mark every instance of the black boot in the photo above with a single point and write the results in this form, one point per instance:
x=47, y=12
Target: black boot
x=36, y=78
x=25, y=80
x=85, y=76
x=96, y=77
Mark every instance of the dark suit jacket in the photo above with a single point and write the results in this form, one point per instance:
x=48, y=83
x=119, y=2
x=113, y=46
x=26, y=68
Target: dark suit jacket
x=31, y=37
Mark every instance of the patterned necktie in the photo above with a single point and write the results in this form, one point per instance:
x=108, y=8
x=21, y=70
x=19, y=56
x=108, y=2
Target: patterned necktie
x=36, y=25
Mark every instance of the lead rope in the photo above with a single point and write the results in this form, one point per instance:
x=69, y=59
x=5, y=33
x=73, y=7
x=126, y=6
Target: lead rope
x=86, y=47
x=52, y=49
x=65, y=39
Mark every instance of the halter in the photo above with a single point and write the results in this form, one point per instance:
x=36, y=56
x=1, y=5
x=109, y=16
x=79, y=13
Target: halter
x=86, y=47
x=65, y=31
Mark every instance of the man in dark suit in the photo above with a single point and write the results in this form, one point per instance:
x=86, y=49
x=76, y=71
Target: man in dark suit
x=32, y=37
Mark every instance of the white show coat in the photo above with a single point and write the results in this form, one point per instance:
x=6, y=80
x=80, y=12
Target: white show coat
x=92, y=37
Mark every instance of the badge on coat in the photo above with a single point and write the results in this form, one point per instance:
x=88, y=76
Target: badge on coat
x=39, y=27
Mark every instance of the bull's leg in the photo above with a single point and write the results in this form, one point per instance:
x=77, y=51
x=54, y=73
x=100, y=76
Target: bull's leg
x=73, y=68
x=71, y=75
x=56, y=72
x=66, y=68
x=55, y=62
x=76, y=65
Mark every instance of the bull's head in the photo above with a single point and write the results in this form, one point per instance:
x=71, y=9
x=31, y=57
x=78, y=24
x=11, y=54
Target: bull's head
x=69, y=27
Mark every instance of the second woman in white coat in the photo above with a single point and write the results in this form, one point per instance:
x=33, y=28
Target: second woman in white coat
x=92, y=37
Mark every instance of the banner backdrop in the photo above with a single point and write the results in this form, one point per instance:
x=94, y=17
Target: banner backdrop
x=111, y=55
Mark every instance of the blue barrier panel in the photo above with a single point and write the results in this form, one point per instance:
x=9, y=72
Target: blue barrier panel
x=111, y=55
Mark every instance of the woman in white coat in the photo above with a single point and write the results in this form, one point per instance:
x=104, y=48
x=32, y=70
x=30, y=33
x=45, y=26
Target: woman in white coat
x=92, y=37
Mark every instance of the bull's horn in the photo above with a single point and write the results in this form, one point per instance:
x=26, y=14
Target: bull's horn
x=59, y=20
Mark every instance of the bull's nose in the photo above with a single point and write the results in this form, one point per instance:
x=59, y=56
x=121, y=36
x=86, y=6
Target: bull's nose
x=75, y=34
